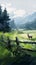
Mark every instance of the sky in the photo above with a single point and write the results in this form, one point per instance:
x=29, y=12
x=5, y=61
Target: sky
x=19, y=8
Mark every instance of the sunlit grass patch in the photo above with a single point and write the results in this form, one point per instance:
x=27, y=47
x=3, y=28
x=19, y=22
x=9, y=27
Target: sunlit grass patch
x=22, y=37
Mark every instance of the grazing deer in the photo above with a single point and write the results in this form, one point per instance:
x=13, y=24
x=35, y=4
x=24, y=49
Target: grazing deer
x=29, y=36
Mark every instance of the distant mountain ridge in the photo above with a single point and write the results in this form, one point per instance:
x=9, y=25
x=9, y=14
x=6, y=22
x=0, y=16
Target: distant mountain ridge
x=29, y=22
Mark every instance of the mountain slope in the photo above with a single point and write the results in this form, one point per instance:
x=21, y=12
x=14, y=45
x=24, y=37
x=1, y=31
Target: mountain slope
x=29, y=22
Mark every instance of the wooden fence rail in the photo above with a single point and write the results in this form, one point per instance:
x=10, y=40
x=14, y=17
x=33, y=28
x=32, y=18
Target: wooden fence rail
x=18, y=42
x=25, y=42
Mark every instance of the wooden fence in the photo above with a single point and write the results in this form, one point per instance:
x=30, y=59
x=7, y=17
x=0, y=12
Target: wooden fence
x=8, y=42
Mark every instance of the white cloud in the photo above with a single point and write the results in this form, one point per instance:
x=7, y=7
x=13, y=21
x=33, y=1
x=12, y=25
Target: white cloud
x=11, y=10
x=23, y=8
x=19, y=12
x=3, y=6
x=8, y=7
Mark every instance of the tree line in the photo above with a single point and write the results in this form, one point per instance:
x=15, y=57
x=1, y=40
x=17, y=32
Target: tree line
x=4, y=20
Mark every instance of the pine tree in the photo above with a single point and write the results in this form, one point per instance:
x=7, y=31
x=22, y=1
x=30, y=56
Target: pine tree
x=0, y=10
x=5, y=15
x=0, y=14
x=5, y=21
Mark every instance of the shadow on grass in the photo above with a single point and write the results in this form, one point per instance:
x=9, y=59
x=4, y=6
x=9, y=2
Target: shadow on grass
x=19, y=60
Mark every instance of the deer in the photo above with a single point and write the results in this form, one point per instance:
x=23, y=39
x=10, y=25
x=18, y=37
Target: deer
x=29, y=36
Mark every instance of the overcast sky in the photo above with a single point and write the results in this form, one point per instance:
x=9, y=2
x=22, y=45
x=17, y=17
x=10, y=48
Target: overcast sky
x=19, y=7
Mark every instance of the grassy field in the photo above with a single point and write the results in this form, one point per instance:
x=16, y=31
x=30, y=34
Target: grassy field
x=22, y=35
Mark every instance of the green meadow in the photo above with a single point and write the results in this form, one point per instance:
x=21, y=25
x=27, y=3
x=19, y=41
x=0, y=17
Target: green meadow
x=6, y=54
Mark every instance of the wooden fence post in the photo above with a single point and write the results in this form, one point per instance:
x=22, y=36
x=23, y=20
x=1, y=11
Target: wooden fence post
x=8, y=44
x=17, y=41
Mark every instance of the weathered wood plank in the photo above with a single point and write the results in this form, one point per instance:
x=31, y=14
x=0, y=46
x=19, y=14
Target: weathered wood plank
x=25, y=42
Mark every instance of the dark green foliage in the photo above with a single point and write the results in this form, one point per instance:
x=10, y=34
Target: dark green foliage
x=4, y=20
x=0, y=11
x=5, y=15
x=19, y=57
x=0, y=14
